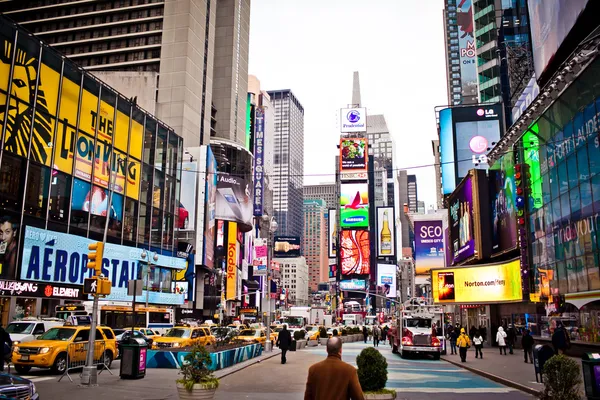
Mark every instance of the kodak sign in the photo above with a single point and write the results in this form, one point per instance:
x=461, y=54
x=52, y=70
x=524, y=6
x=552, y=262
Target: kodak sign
x=231, y=261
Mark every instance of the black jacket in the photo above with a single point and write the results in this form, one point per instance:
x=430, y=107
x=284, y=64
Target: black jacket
x=284, y=340
x=527, y=342
x=5, y=340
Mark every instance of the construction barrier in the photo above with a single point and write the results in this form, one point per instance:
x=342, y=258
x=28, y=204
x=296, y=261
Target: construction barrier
x=77, y=355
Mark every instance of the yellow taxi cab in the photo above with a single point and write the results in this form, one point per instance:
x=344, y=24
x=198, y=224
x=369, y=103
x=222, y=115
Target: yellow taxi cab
x=312, y=333
x=275, y=329
x=50, y=350
x=254, y=336
x=149, y=333
x=184, y=336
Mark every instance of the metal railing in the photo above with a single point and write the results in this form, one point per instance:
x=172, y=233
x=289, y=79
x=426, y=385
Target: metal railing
x=77, y=354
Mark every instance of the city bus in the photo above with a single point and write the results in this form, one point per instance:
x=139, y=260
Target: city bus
x=119, y=315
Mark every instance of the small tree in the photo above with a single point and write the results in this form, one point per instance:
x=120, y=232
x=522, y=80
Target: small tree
x=195, y=369
x=562, y=378
x=372, y=369
x=299, y=334
x=323, y=333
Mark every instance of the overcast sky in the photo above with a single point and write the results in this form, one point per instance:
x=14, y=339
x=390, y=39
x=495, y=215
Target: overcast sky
x=313, y=46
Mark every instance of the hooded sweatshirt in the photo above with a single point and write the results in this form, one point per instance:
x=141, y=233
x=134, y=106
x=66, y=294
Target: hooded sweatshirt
x=501, y=336
x=463, y=340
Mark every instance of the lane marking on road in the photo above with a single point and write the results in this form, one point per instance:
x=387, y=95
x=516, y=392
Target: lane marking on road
x=453, y=390
x=35, y=379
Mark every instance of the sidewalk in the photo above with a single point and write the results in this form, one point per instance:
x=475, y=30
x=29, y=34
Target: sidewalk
x=510, y=370
x=159, y=384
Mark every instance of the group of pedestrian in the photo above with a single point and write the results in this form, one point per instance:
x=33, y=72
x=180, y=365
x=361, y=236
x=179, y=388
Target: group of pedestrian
x=378, y=334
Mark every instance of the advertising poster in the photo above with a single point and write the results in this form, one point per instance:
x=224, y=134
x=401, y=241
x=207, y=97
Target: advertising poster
x=54, y=257
x=429, y=246
x=551, y=22
x=94, y=199
x=187, y=202
x=260, y=257
x=461, y=221
x=210, y=229
x=354, y=154
x=468, y=50
x=491, y=283
x=232, y=261
x=286, y=247
x=95, y=116
x=234, y=199
x=9, y=241
x=386, y=280
x=332, y=272
x=353, y=120
x=353, y=284
x=332, y=233
x=503, y=196
x=386, y=232
x=355, y=252
x=474, y=139
x=354, y=202
x=259, y=161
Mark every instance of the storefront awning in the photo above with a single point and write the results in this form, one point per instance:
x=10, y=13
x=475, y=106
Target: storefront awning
x=581, y=299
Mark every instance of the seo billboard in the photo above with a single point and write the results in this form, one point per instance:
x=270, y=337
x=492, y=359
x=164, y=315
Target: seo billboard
x=492, y=283
x=429, y=246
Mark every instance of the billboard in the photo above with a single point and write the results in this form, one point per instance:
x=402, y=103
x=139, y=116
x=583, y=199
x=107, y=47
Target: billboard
x=355, y=252
x=354, y=202
x=386, y=232
x=286, y=247
x=260, y=260
x=354, y=155
x=353, y=120
x=93, y=134
x=232, y=261
x=551, y=21
x=429, y=246
x=259, y=161
x=210, y=205
x=492, y=283
x=233, y=199
x=187, y=202
x=503, y=208
x=468, y=51
x=386, y=280
x=353, y=284
x=332, y=272
x=467, y=134
x=54, y=257
x=95, y=200
x=332, y=233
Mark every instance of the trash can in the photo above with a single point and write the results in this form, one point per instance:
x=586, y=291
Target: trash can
x=133, y=359
x=590, y=363
x=541, y=354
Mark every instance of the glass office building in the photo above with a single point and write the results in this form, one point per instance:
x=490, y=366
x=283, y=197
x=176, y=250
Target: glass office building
x=562, y=149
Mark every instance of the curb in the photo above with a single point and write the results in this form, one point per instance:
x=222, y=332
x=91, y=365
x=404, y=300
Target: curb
x=495, y=378
x=252, y=361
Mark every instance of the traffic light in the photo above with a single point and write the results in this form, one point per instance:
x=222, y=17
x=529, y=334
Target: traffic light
x=95, y=257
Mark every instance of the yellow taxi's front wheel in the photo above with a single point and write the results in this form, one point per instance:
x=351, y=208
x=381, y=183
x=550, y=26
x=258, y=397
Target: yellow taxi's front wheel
x=60, y=364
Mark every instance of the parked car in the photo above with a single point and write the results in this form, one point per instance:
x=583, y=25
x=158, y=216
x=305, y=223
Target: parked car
x=50, y=350
x=15, y=387
x=184, y=336
x=29, y=329
x=254, y=336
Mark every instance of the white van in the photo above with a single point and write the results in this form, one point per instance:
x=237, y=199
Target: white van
x=29, y=329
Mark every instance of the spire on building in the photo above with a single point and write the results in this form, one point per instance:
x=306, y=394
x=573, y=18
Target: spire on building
x=355, y=90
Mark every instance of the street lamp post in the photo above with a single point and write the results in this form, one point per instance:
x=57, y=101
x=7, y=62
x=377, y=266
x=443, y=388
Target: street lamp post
x=272, y=228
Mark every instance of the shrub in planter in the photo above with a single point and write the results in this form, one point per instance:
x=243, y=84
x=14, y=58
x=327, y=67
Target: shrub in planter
x=372, y=369
x=299, y=334
x=196, y=375
x=334, y=332
x=323, y=333
x=562, y=378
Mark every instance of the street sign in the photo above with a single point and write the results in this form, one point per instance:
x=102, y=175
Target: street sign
x=90, y=285
x=260, y=270
x=134, y=284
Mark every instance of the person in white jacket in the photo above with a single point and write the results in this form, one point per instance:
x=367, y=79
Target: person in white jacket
x=501, y=339
x=478, y=342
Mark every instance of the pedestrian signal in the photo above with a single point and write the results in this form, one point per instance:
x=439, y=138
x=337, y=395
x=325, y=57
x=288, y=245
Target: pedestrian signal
x=97, y=286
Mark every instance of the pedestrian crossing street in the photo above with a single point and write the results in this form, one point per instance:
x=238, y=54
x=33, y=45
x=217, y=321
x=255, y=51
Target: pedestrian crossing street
x=424, y=375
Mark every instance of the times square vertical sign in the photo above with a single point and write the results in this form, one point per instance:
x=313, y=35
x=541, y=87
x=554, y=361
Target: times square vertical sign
x=259, y=146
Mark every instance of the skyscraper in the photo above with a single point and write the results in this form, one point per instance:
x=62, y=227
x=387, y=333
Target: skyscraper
x=435, y=146
x=288, y=162
x=315, y=241
x=402, y=178
x=325, y=191
x=412, y=193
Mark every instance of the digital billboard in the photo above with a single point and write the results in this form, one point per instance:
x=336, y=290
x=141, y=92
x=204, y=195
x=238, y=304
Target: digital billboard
x=429, y=246
x=386, y=232
x=354, y=154
x=467, y=134
x=503, y=209
x=286, y=247
x=187, y=206
x=551, y=22
x=332, y=272
x=332, y=233
x=353, y=284
x=234, y=199
x=95, y=200
x=210, y=205
x=386, y=280
x=355, y=252
x=468, y=50
x=491, y=283
x=354, y=205
x=353, y=120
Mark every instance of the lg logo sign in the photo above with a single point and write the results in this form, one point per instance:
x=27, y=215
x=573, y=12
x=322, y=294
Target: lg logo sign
x=489, y=113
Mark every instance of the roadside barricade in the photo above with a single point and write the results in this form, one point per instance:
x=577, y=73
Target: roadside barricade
x=77, y=355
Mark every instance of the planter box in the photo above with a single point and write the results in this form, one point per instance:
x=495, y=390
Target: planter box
x=323, y=341
x=312, y=343
x=219, y=360
x=358, y=337
x=300, y=344
x=197, y=393
x=387, y=396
